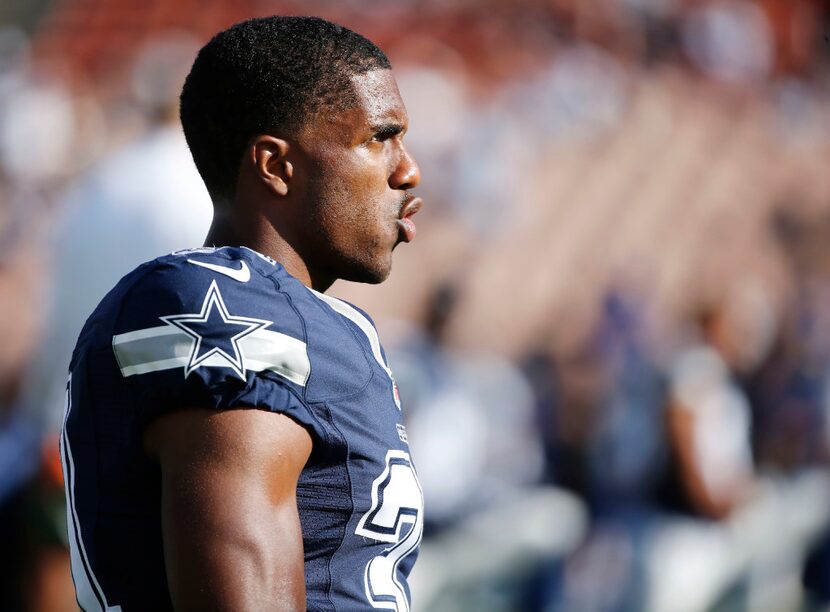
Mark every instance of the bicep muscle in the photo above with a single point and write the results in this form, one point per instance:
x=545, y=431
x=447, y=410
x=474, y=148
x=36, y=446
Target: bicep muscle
x=232, y=538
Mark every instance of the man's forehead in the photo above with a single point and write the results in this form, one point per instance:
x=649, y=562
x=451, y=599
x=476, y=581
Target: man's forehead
x=378, y=96
x=374, y=102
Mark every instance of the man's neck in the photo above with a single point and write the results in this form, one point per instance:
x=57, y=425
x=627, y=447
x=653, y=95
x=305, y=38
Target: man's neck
x=227, y=231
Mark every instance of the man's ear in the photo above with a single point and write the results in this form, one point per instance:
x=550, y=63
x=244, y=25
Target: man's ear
x=269, y=156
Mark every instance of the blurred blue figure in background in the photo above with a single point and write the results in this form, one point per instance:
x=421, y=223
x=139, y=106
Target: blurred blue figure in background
x=629, y=448
x=606, y=442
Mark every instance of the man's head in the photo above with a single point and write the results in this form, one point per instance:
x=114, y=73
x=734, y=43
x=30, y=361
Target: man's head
x=266, y=76
x=310, y=110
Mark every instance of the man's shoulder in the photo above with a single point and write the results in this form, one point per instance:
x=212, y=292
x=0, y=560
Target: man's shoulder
x=220, y=317
x=218, y=287
x=229, y=312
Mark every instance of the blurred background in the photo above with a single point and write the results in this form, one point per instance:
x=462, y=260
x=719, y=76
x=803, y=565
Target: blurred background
x=611, y=336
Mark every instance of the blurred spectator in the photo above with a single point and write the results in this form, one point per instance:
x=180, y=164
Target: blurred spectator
x=730, y=503
x=629, y=450
x=730, y=40
x=36, y=117
x=612, y=449
x=709, y=423
x=581, y=94
x=472, y=412
x=470, y=421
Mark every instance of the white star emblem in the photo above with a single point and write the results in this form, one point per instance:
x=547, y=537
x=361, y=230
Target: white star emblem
x=215, y=332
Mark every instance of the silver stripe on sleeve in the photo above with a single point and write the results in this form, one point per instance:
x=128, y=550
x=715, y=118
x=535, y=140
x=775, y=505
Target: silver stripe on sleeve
x=165, y=347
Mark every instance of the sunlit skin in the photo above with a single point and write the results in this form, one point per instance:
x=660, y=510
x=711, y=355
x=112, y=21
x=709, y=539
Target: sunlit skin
x=328, y=202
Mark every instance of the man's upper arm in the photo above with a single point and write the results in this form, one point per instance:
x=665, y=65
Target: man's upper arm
x=232, y=537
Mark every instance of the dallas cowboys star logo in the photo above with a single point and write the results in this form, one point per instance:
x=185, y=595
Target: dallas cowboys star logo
x=215, y=332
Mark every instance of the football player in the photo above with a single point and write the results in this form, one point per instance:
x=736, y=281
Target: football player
x=233, y=437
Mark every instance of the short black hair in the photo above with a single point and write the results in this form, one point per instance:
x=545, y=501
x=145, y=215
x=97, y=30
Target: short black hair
x=266, y=76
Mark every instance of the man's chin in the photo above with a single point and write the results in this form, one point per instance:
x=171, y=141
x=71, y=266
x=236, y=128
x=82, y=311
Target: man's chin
x=369, y=274
x=370, y=277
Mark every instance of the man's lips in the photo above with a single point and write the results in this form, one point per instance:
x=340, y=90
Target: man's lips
x=405, y=224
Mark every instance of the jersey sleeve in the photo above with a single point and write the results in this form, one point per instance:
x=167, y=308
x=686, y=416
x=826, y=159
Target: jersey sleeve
x=212, y=336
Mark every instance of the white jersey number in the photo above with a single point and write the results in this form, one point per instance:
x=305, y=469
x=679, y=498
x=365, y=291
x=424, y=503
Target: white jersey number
x=397, y=517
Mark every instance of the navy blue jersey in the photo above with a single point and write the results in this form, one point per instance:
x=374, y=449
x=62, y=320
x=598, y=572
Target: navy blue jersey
x=222, y=329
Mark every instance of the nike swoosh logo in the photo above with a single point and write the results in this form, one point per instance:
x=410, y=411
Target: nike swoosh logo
x=243, y=274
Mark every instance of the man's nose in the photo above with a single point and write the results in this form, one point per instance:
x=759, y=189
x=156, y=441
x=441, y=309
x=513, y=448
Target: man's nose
x=407, y=175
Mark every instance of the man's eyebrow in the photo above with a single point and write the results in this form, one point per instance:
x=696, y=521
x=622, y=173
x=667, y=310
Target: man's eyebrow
x=388, y=129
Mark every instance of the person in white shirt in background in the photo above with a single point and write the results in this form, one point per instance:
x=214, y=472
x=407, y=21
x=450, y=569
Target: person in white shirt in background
x=732, y=503
x=138, y=202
